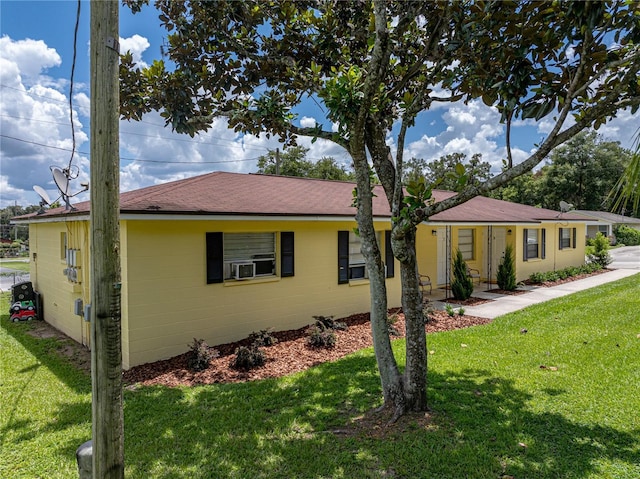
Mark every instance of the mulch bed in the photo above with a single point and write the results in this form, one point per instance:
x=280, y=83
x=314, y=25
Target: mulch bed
x=516, y=292
x=290, y=354
x=467, y=302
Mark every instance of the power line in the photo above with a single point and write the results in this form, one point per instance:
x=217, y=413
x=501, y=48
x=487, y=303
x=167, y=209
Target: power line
x=73, y=69
x=185, y=140
x=131, y=159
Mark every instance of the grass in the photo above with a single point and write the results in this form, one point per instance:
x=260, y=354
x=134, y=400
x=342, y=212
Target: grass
x=15, y=265
x=495, y=411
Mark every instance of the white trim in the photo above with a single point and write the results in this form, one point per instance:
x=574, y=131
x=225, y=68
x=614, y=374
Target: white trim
x=199, y=217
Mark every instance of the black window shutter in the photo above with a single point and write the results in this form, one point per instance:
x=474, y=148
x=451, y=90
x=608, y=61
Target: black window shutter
x=286, y=254
x=343, y=257
x=574, y=237
x=525, y=233
x=543, y=246
x=388, y=255
x=215, y=258
x=560, y=238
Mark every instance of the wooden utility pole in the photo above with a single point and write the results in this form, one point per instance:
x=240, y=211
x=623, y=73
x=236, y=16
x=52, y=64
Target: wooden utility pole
x=106, y=335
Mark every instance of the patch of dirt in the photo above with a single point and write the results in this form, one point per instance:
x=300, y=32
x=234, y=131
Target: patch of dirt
x=290, y=354
x=67, y=347
x=468, y=302
x=516, y=292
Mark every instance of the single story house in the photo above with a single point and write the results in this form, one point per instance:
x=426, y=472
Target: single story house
x=604, y=222
x=221, y=255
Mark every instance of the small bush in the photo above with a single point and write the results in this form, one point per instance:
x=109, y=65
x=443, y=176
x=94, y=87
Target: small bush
x=568, y=272
x=461, y=312
x=506, y=276
x=600, y=253
x=319, y=337
x=462, y=284
x=628, y=236
x=449, y=309
x=327, y=322
x=200, y=354
x=264, y=337
x=247, y=358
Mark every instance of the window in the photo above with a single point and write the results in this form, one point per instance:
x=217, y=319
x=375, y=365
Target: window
x=466, y=243
x=241, y=256
x=604, y=229
x=567, y=238
x=351, y=263
x=63, y=246
x=534, y=243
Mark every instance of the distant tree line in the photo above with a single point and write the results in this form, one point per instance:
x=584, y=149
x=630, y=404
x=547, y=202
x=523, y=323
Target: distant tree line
x=582, y=172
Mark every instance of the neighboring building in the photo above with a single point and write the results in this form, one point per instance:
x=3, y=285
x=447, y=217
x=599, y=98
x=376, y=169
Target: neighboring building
x=605, y=222
x=221, y=255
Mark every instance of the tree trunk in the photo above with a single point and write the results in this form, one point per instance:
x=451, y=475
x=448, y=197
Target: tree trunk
x=415, y=373
x=390, y=378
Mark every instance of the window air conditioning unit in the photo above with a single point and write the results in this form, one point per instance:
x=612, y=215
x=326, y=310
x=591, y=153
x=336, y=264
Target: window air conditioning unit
x=243, y=270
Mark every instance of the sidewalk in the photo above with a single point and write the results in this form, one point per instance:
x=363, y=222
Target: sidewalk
x=503, y=304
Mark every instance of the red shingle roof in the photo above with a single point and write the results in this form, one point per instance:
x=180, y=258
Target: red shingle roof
x=223, y=193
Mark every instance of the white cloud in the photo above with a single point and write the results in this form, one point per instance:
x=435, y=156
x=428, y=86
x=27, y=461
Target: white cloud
x=137, y=45
x=31, y=57
x=34, y=121
x=307, y=122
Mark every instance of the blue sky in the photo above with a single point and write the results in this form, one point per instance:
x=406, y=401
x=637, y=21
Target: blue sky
x=36, y=49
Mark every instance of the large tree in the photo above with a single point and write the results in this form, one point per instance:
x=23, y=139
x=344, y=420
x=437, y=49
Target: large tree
x=375, y=65
x=582, y=171
x=293, y=162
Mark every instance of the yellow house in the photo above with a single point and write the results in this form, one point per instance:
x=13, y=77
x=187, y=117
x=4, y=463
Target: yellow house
x=542, y=240
x=222, y=255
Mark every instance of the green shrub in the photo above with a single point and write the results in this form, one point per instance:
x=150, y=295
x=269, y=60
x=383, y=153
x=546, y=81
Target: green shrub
x=600, y=253
x=449, y=309
x=264, y=337
x=200, y=354
x=327, y=322
x=319, y=337
x=462, y=284
x=626, y=235
x=248, y=357
x=568, y=272
x=506, y=276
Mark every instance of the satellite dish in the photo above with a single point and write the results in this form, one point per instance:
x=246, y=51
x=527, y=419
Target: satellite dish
x=45, y=200
x=564, y=206
x=61, y=180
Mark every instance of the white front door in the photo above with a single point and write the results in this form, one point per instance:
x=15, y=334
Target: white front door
x=498, y=244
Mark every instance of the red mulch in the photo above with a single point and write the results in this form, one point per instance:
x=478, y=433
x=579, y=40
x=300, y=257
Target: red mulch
x=468, y=302
x=289, y=355
x=516, y=292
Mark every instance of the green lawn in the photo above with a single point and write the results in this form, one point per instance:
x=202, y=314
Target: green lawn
x=19, y=265
x=496, y=412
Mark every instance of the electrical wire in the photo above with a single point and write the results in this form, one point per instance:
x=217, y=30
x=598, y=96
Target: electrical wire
x=124, y=158
x=73, y=69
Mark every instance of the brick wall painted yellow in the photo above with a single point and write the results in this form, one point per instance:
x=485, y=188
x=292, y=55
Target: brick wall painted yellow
x=169, y=302
x=427, y=251
x=58, y=293
x=555, y=258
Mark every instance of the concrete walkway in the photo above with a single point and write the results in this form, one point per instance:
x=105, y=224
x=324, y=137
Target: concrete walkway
x=503, y=304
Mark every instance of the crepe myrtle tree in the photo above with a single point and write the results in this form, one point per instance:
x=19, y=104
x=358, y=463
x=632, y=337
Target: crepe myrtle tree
x=374, y=65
